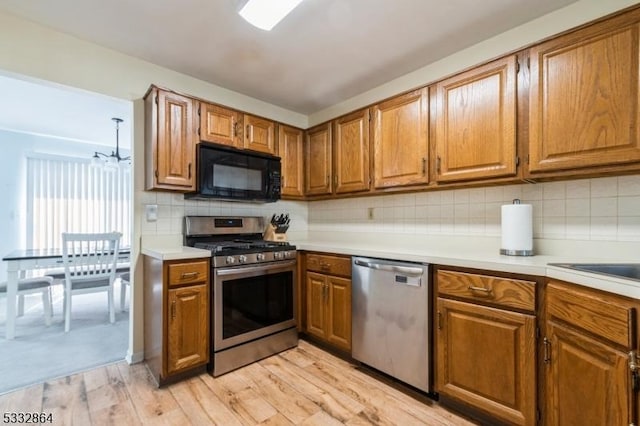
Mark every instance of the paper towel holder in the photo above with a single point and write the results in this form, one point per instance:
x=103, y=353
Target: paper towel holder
x=510, y=252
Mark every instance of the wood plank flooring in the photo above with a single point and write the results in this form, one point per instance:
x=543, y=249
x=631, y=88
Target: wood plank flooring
x=301, y=386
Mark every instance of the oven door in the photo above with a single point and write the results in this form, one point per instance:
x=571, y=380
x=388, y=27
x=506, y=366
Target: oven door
x=252, y=301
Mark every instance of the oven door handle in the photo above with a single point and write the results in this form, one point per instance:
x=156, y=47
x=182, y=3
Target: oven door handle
x=263, y=268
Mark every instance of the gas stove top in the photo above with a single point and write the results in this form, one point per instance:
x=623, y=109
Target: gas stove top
x=235, y=241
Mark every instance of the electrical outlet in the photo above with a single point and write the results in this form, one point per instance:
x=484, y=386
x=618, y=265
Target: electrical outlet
x=151, y=211
x=370, y=213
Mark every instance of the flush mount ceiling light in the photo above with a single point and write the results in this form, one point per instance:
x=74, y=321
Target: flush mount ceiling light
x=265, y=14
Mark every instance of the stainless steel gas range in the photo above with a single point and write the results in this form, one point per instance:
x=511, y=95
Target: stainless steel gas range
x=253, y=289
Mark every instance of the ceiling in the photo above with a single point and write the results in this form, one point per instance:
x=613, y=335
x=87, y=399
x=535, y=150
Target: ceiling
x=322, y=53
x=65, y=113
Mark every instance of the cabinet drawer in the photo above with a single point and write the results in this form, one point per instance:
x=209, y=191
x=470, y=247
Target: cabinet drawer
x=606, y=317
x=188, y=272
x=333, y=265
x=507, y=292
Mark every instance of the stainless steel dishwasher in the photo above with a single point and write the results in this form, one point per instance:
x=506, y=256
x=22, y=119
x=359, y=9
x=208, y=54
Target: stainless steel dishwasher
x=390, y=315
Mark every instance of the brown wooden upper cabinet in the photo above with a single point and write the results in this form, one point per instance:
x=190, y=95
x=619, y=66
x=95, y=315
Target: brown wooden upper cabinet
x=290, y=151
x=351, y=152
x=259, y=134
x=220, y=125
x=584, y=98
x=170, y=141
x=475, y=116
x=317, y=153
x=400, y=140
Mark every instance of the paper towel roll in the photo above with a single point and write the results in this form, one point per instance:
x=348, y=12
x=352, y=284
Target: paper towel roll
x=517, y=229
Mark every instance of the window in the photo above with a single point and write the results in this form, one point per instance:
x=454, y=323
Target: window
x=68, y=195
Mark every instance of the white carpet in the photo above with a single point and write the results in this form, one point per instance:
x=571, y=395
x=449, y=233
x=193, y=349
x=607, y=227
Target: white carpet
x=40, y=353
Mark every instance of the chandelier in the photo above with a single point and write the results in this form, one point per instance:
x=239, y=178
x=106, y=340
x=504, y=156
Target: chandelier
x=114, y=160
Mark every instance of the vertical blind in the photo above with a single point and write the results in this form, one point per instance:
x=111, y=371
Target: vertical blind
x=69, y=195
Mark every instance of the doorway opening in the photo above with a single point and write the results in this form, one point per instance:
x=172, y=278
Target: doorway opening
x=48, y=136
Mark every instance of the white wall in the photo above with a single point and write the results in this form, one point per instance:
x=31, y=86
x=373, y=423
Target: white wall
x=13, y=171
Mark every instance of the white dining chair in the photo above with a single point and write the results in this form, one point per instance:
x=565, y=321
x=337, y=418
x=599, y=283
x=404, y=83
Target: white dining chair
x=33, y=285
x=89, y=266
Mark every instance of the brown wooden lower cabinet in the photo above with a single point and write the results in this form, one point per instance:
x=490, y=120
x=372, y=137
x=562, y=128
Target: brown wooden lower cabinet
x=485, y=350
x=176, y=317
x=187, y=327
x=588, y=342
x=486, y=358
x=328, y=303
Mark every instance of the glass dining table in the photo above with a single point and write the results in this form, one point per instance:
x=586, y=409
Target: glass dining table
x=21, y=261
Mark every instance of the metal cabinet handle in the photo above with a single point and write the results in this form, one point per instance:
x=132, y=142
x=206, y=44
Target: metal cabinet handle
x=547, y=350
x=186, y=275
x=438, y=164
x=424, y=165
x=173, y=310
x=189, y=170
x=247, y=130
x=480, y=289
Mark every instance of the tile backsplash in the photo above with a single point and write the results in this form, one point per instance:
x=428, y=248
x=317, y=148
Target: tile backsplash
x=173, y=207
x=605, y=209
x=587, y=209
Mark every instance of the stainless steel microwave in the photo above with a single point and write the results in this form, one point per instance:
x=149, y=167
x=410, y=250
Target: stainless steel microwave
x=231, y=174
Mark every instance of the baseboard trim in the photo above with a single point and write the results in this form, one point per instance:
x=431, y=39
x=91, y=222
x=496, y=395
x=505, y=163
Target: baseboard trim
x=134, y=358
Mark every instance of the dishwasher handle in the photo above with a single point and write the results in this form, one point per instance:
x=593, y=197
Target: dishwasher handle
x=405, y=270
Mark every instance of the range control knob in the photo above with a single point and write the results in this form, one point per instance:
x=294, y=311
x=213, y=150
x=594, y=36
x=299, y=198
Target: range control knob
x=230, y=260
x=277, y=255
x=260, y=256
x=242, y=258
x=288, y=254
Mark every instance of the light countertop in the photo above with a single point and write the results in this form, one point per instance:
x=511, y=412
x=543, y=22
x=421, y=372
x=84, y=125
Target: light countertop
x=472, y=254
x=175, y=253
x=468, y=252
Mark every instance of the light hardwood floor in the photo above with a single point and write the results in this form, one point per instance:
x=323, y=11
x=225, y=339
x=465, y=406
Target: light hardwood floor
x=304, y=385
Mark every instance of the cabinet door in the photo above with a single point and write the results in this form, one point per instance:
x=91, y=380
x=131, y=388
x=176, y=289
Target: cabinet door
x=317, y=155
x=475, y=134
x=316, y=304
x=220, y=125
x=339, y=312
x=400, y=139
x=486, y=358
x=175, y=151
x=587, y=380
x=584, y=97
x=259, y=134
x=291, y=152
x=351, y=153
x=188, y=327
